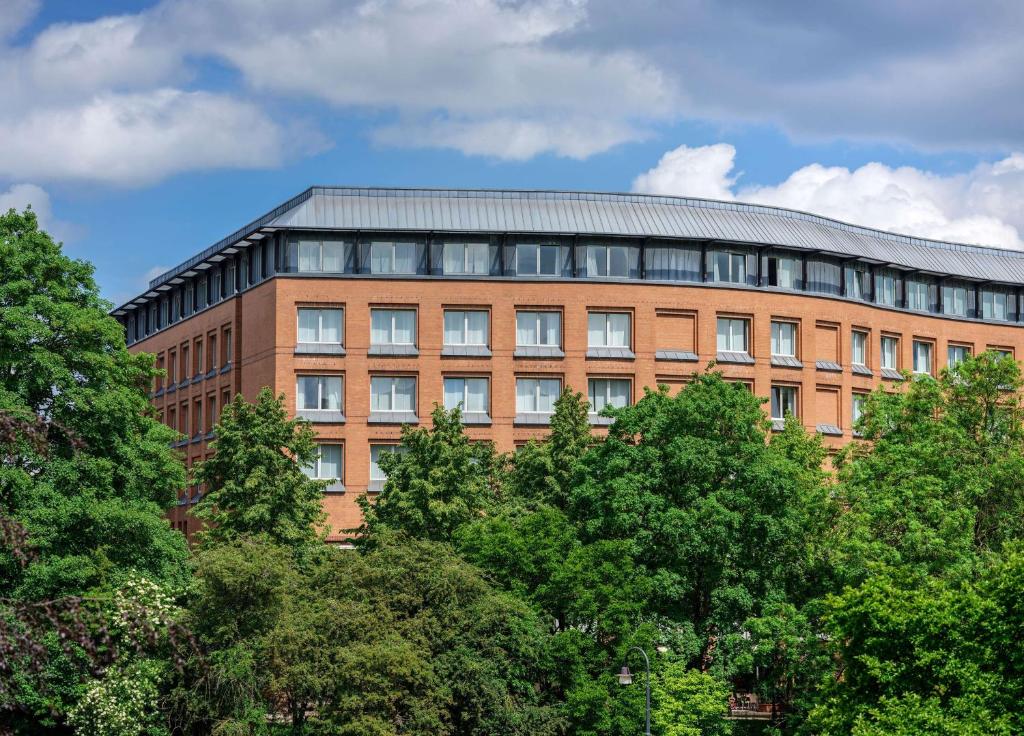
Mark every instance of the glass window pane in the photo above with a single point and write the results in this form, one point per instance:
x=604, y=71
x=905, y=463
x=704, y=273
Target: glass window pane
x=597, y=260
x=380, y=393
x=330, y=462
x=405, y=258
x=526, y=259
x=330, y=325
x=306, y=392
x=618, y=330
x=618, y=261
x=476, y=258
x=381, y=255
x=405, y=327
x=309, y=255
x=453, y=328
x=334, y=260
x=548, y=265
x=331, y=398
x=549, y=390
x=526, y=328
x=380, y=327
x=476, y=328
x=551, y=328
x=596, y=330
x=308, y=325
x=526, y=393
x=454, y=389
x=723, y=334
x=405, y=394
x=454, y=257
x=476, y=394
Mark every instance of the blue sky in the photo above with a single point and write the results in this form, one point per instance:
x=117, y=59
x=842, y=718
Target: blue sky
x=143, y=131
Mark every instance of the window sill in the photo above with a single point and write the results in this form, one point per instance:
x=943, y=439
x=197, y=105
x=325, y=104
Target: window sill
x=197, y=379
x=172, y=388
x=226, y=368
x=680, y=356
x=861, y=370
x=538, y=351
x=539, y=419
x=892, y=374
x=596, y=420
x=465, y=351
x=778, y=425
x=393, y=417
x=158, y=393
x=211, y=373
x=319, y=348
x=730, y=356
x=610, y=354
x=786, y=361
x=375, y=486
x=336, y=486
x=321, y=416
x=828, y=365
x=393, y=351
x=184, y=384
x=829, y=429
x=476, y=417
x=196, y=439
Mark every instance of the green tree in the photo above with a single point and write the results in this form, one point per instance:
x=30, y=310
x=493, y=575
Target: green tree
x=255, y=484
x=689, y=702
x=91, y=495
x=437, y=482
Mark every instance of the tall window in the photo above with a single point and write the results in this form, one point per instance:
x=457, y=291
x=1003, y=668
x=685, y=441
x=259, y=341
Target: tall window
x=607, y=260
x=392, y=326
x=957, y=354
x=608, y=330
x=200, y=367
x=783, y=401
x=393, y=258
x=994, y=304
x=327, y=465
x=732, y=334
x=172, y=367
x=784, y=272
x=859, y=348
x=185, y=365
x=468, y=394
x=229, y=347
x=467, y=258
x=730, y=267
x=319, y=326
x=537, y=259
x=378, y=476
x=537, y=395
x=890, y=353
x=318, y=393
x=465, y=327
x=856, y=278
x=923, y=357
x=393, y=394
x=784, y=339
x=327, y=256
x=885, y=287
x=613, y=392
x=954, y=300
x=543, y=329
x=917, y=295
x=857, y=408
x=214, y=356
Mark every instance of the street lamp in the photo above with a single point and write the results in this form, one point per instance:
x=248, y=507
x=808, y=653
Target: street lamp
x=626, y=678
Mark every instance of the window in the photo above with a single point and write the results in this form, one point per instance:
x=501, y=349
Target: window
x=393, y=258
x=172, y=367
x=392, y=326
x=732, y=334
x=824, y=276
x=211, y=412
x=214, y=355
x=608, y=260
x=783, y=401
x=613, y=392
x=200, y=367
x=537, y=395
x=956, y=354
x=608, y=330
x=319, y=326
x=197, y=417
x=393, y=394
x=890, y=353
x=185, y=365
x=885, y=287
x=923, y=357
x=537, y=260
x=468, y=258
x=859, y=348
x=856, y=281
x=201, y=292
x=539, y=329
x=994, y=304
x=784, y=272
x=917, y=295
x=377, y=476
x=954, y=300
x=318, y=256
x=328, y=464
x=318, y=393
x=857, y=407
x=468, y=394
x=465, y=327
x=729, y=267
x=784, y=339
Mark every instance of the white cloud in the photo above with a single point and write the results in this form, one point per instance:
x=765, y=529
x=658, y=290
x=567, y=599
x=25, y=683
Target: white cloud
x=20, y=196
x=138, y=138
x=16, y=13
x=982, y=206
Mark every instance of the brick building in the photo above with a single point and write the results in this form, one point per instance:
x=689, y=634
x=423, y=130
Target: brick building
x=367, y=306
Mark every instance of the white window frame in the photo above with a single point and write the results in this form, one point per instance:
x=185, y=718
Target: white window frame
x=951, y=362
x=592, y=384
x=895, y=342
x=995, y=305
x=917, y=294
x=391, y=327
x=777, y=328
x=778, y=391
x=392, y=257
x=931, y=357
x=857, y=406
x=465, y=327
x=320, y=325
x=607, y=332
x=730, y=336
x=468, y=264
x=537, y=328
x=464, y=402
x=737, y=262
x=607, y=260
x=537, y=393
x=885, y=288
x=863, y=358
x=321, y=392
x=954, y=300
x=391, y=394
x=375, y=464
x=316, y=467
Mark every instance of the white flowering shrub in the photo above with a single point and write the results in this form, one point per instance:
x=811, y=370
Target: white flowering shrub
x=122, y=703
x=140, y=604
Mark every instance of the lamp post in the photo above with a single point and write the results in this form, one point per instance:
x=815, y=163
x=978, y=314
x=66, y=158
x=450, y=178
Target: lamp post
x=626, y=678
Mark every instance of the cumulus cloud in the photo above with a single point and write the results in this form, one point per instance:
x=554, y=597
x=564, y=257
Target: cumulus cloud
x=20, y=196
x=984, y=205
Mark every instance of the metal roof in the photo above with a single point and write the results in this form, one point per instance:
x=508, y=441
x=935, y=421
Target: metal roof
x=595, y=213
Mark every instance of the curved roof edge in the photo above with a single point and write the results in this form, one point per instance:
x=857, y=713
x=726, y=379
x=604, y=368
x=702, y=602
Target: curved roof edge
x=610, y=213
